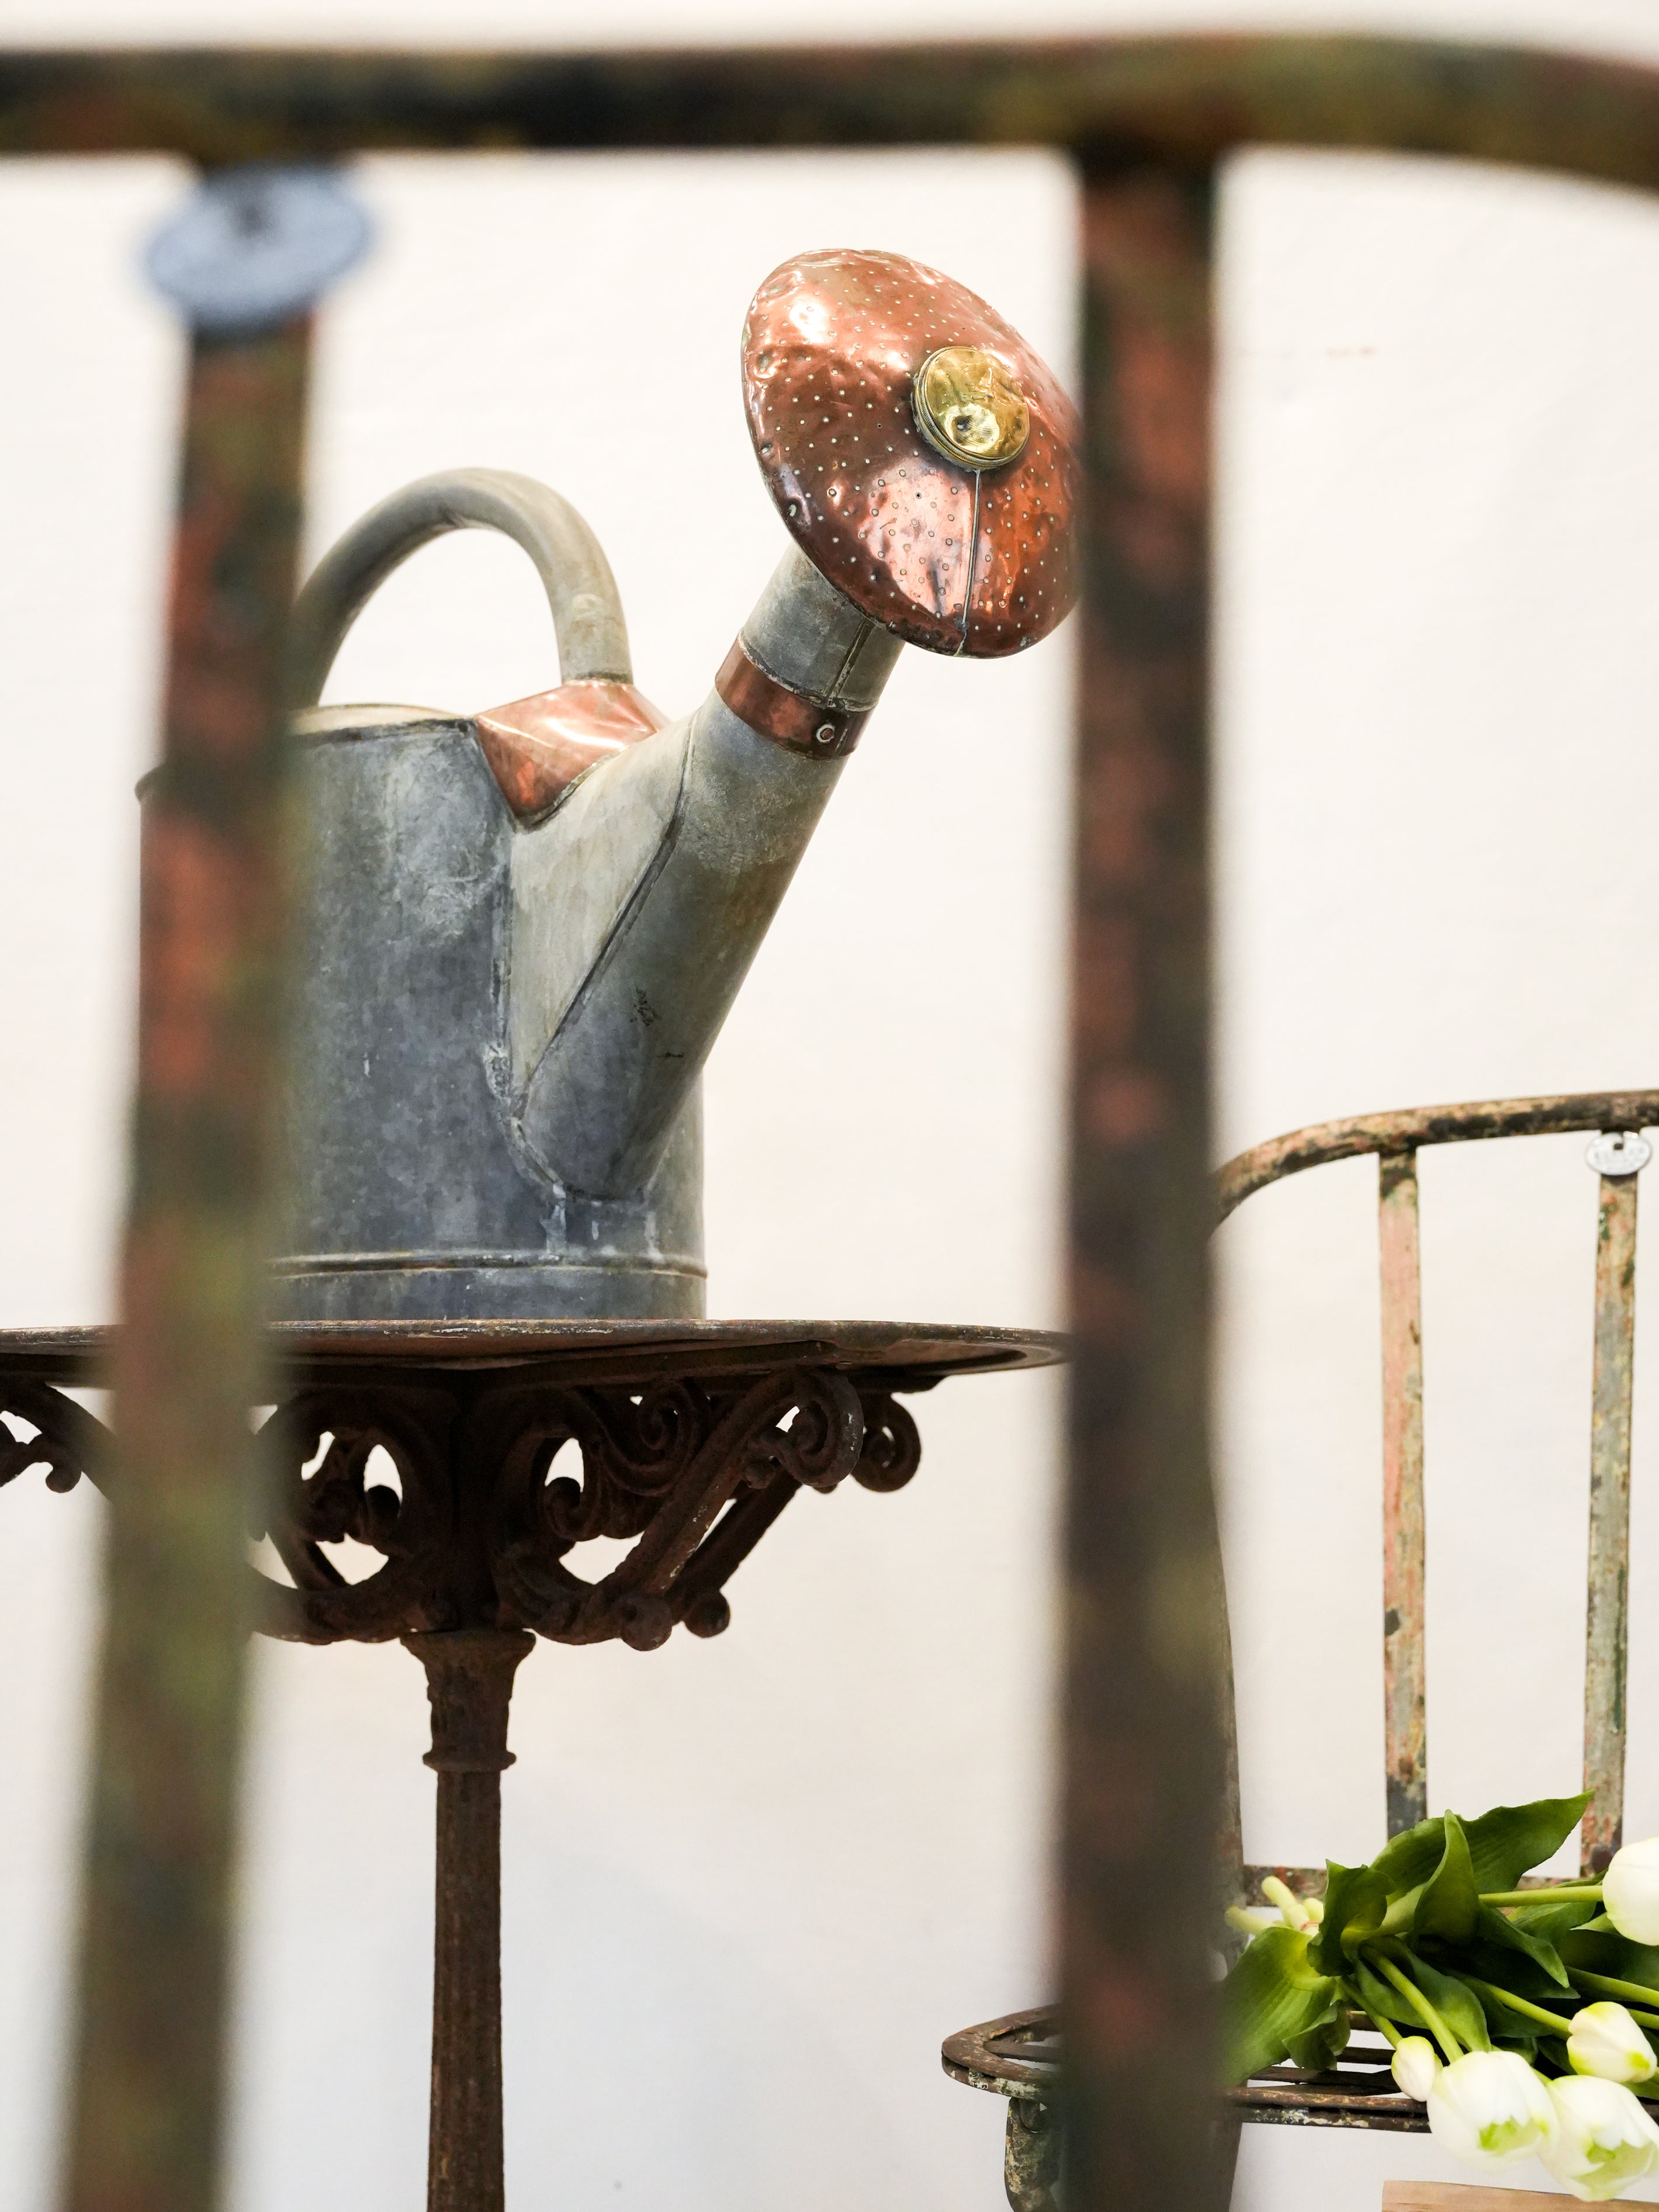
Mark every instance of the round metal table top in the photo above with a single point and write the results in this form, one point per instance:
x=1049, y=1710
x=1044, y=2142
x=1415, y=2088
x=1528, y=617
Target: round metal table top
x=912, y=1355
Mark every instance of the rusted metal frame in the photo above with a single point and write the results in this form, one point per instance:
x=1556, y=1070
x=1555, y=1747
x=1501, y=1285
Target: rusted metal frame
x=1231, y=1873
x=1033, y=2157
x=1015, y=2057
x=1142, y=1753
x=987, y=2057
x=1417, y=1125
x=145, y=2124
x=1606, y=1631
x=1184, y=101
x=470, y=1682
x=1403, y=1560
x=1263, y=2105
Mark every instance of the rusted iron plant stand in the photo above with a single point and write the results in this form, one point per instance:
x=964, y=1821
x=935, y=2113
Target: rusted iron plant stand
x=693, y=1437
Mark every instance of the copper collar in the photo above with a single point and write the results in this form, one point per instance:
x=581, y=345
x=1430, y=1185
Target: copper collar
x=788, y=718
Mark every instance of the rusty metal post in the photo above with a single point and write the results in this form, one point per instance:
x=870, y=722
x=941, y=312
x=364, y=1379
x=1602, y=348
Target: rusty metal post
x=469, y=1676
x=1607, y=1633
x=1142, y=1786
x=155, y=1935
x=1404, y=1540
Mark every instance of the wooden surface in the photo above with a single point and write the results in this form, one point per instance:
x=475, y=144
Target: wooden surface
x=1465, y=2196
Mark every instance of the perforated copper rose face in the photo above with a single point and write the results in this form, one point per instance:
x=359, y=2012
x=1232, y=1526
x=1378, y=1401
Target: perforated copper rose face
x=919, y=452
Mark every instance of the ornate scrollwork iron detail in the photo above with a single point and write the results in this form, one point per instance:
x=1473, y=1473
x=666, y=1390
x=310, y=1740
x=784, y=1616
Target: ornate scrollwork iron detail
x=892, y=1444
x=68, y=1442
x=635, y=1450
x=317, y=1450
x=737, y=1456
x=478, y=1528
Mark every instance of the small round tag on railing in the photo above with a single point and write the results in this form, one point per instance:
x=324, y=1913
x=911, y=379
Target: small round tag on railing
x=1619, y=1152
x=253, y=247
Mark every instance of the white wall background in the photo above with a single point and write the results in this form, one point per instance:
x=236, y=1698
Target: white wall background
x=750, y=1885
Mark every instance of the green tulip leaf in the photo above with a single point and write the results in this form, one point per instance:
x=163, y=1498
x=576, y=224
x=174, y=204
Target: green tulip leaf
x=1273, y=1994
x=1321, y=2045
x=1355, y=1901
x=1508, y=1934
x=1511, y=1839
x=1598, y=1951
x=1407, y=1861
x=1553, y=1921
x=1402, y=1911
x=1456, y=2002
x=1509, y=1968
x=1383, y=1999
x=1511, y=2027
x=1449, y=1906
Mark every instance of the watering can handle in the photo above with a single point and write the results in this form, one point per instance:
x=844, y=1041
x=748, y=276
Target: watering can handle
x=587, y=616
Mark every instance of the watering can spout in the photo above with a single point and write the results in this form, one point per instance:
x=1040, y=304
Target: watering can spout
x=687, y=844
x=920, y=456
x=522, y=930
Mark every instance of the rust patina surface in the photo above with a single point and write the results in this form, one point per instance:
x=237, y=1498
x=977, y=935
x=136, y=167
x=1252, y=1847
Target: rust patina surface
x=155, y=1950
x=1607, y=1628
x=1142, y=1757
x=1187, y=101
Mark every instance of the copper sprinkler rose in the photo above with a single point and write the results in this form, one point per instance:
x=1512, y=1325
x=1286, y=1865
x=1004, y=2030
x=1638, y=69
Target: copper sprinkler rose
x=920, y=453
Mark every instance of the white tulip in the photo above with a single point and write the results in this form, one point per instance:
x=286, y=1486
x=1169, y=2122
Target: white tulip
x=1248, y=1923
x=1630, y=1891
x=1603, y=2139
x=1416, y=2063
x=1490, y=2108
x=1606, y=2041
x=1294, y=1908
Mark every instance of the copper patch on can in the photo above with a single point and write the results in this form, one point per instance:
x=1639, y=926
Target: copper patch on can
x=537, y=747
x=967, y=552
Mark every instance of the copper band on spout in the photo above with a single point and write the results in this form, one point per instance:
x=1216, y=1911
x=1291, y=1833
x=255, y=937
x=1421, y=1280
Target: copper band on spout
x=788, y=718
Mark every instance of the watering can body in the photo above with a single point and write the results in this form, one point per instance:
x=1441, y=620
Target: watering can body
x=519, y=932
x=412, y=1192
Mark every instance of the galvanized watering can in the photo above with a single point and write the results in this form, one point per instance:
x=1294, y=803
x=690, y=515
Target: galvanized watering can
x=520, y=931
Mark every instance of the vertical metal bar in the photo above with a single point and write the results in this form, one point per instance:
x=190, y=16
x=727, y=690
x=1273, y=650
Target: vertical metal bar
x=1142, y=1777
x=1404, y=1542
x=155, y=1937
x=1230, y=1826
x=469, y=1675
x=1606, y=1634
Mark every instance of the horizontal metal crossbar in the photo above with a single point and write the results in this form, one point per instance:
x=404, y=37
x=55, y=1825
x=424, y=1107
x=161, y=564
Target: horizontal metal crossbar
x=1183, y=102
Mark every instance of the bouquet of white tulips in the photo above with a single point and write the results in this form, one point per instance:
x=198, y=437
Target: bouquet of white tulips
x=1521, y=2017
